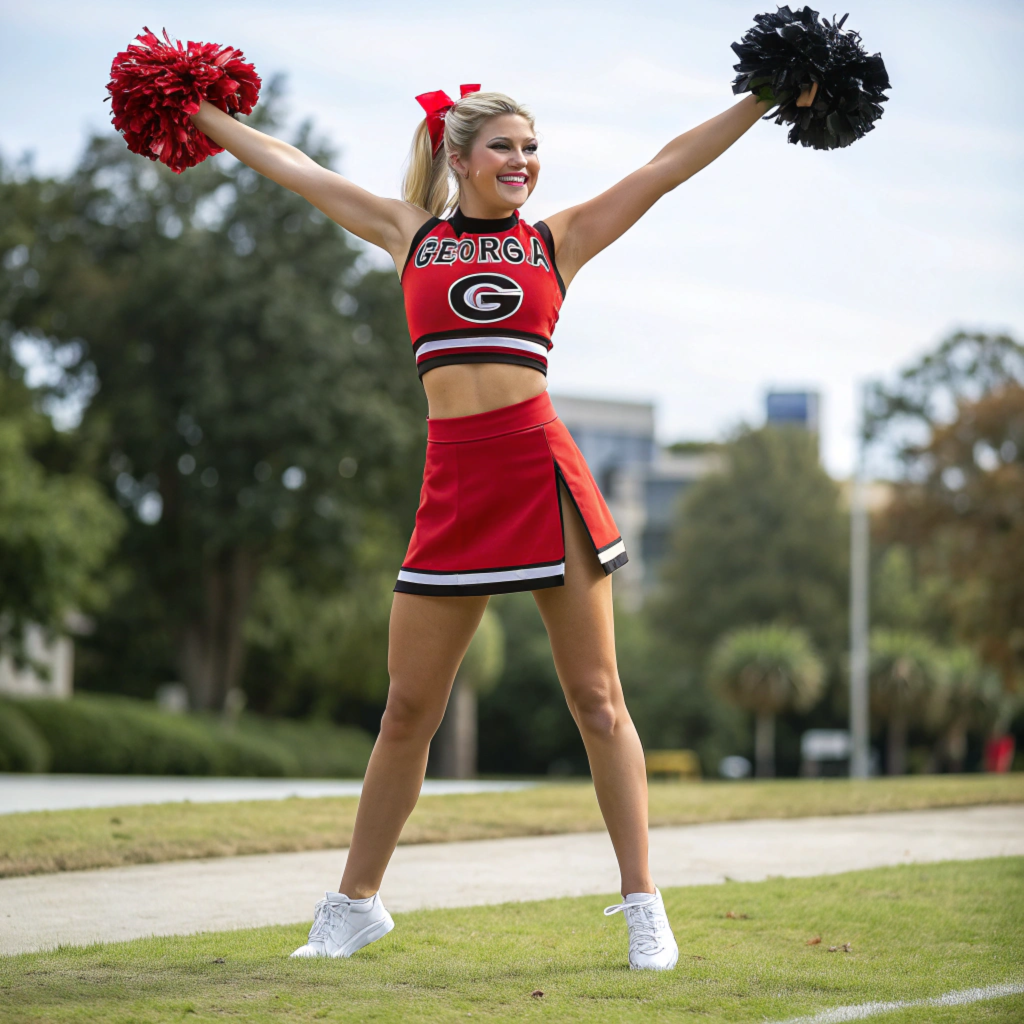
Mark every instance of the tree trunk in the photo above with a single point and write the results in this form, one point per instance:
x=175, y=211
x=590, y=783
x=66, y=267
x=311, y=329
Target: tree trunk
x=896, y=751
x=211, y=649
x=453, y=750
x=764, y=746
x=956, y=746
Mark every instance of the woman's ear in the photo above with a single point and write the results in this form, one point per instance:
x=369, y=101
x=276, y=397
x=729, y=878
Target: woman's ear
x=456, y=164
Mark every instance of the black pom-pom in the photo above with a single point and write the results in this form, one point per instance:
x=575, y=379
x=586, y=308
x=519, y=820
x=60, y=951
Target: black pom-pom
x=788, y=50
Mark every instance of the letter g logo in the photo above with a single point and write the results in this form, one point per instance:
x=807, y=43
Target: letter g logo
x=485, y=298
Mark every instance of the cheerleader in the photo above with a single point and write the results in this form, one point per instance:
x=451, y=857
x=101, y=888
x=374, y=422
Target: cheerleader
x=508, y=503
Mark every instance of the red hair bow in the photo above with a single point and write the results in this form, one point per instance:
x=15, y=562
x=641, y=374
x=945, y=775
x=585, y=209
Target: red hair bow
x=437, y=104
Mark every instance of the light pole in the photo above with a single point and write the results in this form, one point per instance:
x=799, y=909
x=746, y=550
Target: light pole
x=859, y=550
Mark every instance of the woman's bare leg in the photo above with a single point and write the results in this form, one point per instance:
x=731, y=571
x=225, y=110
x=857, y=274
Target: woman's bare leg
x=579, y=622
x=427, y=641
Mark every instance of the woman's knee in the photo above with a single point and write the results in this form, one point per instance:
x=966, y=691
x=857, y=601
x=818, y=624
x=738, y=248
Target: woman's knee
x=597, y=703
x=409, y=717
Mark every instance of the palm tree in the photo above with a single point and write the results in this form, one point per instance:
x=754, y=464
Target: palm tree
x=969, y=697
x=453, y=751
x=905, y=669
x=767, y=670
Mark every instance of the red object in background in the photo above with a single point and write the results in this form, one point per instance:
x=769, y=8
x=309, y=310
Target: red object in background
x=155, y=85
x=999, y=753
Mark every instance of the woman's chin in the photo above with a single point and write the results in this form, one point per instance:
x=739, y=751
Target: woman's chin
x=514, y=195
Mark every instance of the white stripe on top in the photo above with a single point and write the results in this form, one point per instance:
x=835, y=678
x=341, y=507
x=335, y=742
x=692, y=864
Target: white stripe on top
x=613, y=552
x=469, y=579
x=533, y=347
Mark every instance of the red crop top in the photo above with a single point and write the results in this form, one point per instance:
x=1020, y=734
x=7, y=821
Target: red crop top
x=481, y=291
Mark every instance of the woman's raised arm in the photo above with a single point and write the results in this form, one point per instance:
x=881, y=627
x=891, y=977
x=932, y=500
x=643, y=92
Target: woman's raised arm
x=581, y=232
x=389, y=223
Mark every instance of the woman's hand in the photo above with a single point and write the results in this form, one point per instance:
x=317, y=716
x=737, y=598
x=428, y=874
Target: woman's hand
x=807, y=94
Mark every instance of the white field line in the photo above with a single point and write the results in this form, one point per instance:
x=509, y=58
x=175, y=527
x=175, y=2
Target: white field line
x=839, y=1014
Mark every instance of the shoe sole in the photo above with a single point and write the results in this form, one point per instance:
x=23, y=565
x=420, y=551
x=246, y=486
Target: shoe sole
x=371, y=933
x=651, y=967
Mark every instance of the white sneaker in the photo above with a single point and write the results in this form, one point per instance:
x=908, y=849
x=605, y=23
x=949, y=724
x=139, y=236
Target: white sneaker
x=341, y=926
x=652, y=946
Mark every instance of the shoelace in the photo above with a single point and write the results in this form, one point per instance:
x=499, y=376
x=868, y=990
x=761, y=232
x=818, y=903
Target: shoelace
x=642, y=919
x=321, y=929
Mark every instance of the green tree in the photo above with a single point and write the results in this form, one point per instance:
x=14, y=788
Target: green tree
x=954, y=424
x=968, y=698
x=909, y=591
x=322, y=652
x=763, y=540
x=250, y=384
x=904, y=672
x=965, y=512
x=965, y=367
x=56, y=529
x=767, y=670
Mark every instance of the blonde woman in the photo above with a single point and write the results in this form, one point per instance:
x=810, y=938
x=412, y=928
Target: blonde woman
x=508, y=503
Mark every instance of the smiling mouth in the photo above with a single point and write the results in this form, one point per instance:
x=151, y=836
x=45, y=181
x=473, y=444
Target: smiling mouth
x=515, y=180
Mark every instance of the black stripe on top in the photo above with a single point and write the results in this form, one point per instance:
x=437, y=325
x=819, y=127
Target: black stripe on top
x=425, y=228
x=463, y=225
x=512, y=358
x=545, y=232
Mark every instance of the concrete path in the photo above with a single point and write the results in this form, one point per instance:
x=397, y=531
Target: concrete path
x=237, y=892
x=20, y=792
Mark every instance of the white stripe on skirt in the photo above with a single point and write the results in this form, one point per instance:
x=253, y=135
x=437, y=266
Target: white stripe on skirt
x=613, y=552
x=469, y=579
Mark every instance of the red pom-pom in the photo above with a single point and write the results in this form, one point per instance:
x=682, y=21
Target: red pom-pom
x=155, y=85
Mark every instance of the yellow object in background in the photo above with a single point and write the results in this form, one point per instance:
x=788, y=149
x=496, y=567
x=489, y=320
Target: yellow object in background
x=684, y=764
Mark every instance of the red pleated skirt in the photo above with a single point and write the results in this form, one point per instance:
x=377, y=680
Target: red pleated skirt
x=489, y=519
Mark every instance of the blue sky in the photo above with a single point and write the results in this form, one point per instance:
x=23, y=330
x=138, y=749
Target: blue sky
x=774, y=266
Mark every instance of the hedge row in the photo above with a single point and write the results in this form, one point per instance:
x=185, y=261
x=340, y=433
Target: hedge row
x=121, y=736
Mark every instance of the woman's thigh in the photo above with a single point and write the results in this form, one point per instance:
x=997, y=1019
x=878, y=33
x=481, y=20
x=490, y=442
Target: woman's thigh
x=579, y=619
x=428, y=637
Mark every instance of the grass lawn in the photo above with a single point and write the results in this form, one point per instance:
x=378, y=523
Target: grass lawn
x=915, y=932
x=46, y=841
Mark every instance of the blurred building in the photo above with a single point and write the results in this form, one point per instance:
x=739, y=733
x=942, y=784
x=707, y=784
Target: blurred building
x=794, y=408
x=642, y=481
x=49, y=671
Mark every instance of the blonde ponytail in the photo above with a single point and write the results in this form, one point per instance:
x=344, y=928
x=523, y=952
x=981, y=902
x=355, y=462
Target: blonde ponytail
x=426, y=177
x=429, y=178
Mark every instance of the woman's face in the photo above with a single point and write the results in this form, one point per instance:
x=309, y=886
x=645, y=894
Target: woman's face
x=502, y=167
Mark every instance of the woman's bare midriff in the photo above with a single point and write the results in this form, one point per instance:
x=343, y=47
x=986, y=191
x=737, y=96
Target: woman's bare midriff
x=466, y=389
